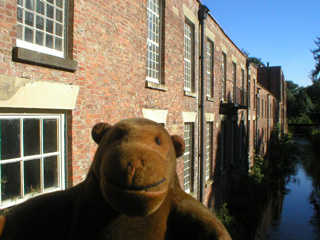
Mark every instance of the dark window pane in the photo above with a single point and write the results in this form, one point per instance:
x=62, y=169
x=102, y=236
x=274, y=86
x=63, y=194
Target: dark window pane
x=32, y=176
x=59, y=3
x=19, y=15
x=59, y=15
x=50, y=11
x=28, y=35
x=40, y=7
x=39, y=38
x=49, y=41
x=10, y=181
x=59, y=29
x=58, y=45
x=50, y=135
x=40, y=23
x=31, y=136
x=50, y=166
x=20, y=2
x=29, y=19
x=51, y=1
x=49, y=27
x=10, y=139
x=29, y=4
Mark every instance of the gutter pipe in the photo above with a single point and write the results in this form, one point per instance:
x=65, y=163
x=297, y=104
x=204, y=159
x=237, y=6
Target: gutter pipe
x=202, y=15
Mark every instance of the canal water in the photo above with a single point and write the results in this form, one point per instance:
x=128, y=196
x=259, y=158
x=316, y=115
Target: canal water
x=297, y=213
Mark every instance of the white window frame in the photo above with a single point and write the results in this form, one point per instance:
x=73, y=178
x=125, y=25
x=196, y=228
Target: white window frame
x=153, y=66
x=188, y=55
x=33, y=46
x=209, y=148
x=22, y=159
x=210, y=68
x=188, y=157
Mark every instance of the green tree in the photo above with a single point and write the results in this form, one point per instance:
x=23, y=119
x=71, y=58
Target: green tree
x=301, y=105
x=315, y=73
x=257, y=61
x=254, y=60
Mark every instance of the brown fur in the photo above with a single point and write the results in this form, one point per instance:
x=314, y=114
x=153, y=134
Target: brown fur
x=131, y=192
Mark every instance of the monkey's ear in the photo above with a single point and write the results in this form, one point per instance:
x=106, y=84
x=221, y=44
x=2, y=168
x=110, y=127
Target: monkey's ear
x=99, y=130
x=178, y=144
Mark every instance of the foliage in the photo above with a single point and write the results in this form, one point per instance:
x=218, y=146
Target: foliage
x=223, y=214
x=255, y=60
x=257, y=171
x=315, y=73
x=249, y=197
x=315, y=138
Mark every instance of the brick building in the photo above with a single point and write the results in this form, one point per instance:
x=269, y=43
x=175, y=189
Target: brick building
x=67, y=64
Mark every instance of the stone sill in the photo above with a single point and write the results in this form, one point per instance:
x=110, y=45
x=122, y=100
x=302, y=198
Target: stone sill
x=156, y=86
x=190, y=94
x=42, y=59
x=210, y=99
x=209, y=182
x=192, y=194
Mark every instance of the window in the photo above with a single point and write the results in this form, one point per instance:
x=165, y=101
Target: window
x=210, y=68
x=154, y=41
x=188, y=56
x=249, y=89
x=242, y=79
x=243, y=95
x=224, y=76
x=31, y=156
x=234, y=79
x=41, y=26
x=209, y=147
x=241, y=135
x=222, y=145
x=188, y=158
x=233, y=140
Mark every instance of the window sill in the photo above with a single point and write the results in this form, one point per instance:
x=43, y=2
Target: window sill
x=209, y=182
x=192, y=194
x=210, y=99
x=190, y=94
x=42, y=59
x=156, y=86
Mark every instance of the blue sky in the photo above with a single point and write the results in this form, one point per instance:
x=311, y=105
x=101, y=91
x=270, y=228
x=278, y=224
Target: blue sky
x=280, y=32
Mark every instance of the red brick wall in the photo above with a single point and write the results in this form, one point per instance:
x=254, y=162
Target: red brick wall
x=108, y=40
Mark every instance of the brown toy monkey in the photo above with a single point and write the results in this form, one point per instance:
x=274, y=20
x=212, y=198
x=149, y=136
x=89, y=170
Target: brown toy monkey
x=131, y=192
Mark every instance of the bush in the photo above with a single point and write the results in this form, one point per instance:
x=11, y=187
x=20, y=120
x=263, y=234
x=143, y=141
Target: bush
x=315, y=139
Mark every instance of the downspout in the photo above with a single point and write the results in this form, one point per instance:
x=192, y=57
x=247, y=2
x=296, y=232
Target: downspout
x=202, y=15
x=248, y=116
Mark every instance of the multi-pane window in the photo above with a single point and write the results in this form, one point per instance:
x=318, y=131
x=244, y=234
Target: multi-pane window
x=241, y=134
x=153, y=41
x=234, y=79
x=249, y=87
x=222, y=144
x=188, y=56
x=224, y=76
x=210, y=68
x=209, y=146
x=41, y=25
x=242, y=79
x=233, y=140
x=188, y=157
x=31, y=156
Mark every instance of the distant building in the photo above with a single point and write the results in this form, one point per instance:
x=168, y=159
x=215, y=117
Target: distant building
x=66, y=65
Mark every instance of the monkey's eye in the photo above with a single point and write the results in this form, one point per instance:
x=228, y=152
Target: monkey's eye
x=157, y=140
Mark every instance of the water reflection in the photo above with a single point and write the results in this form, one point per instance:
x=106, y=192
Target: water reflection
x=295, y=202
